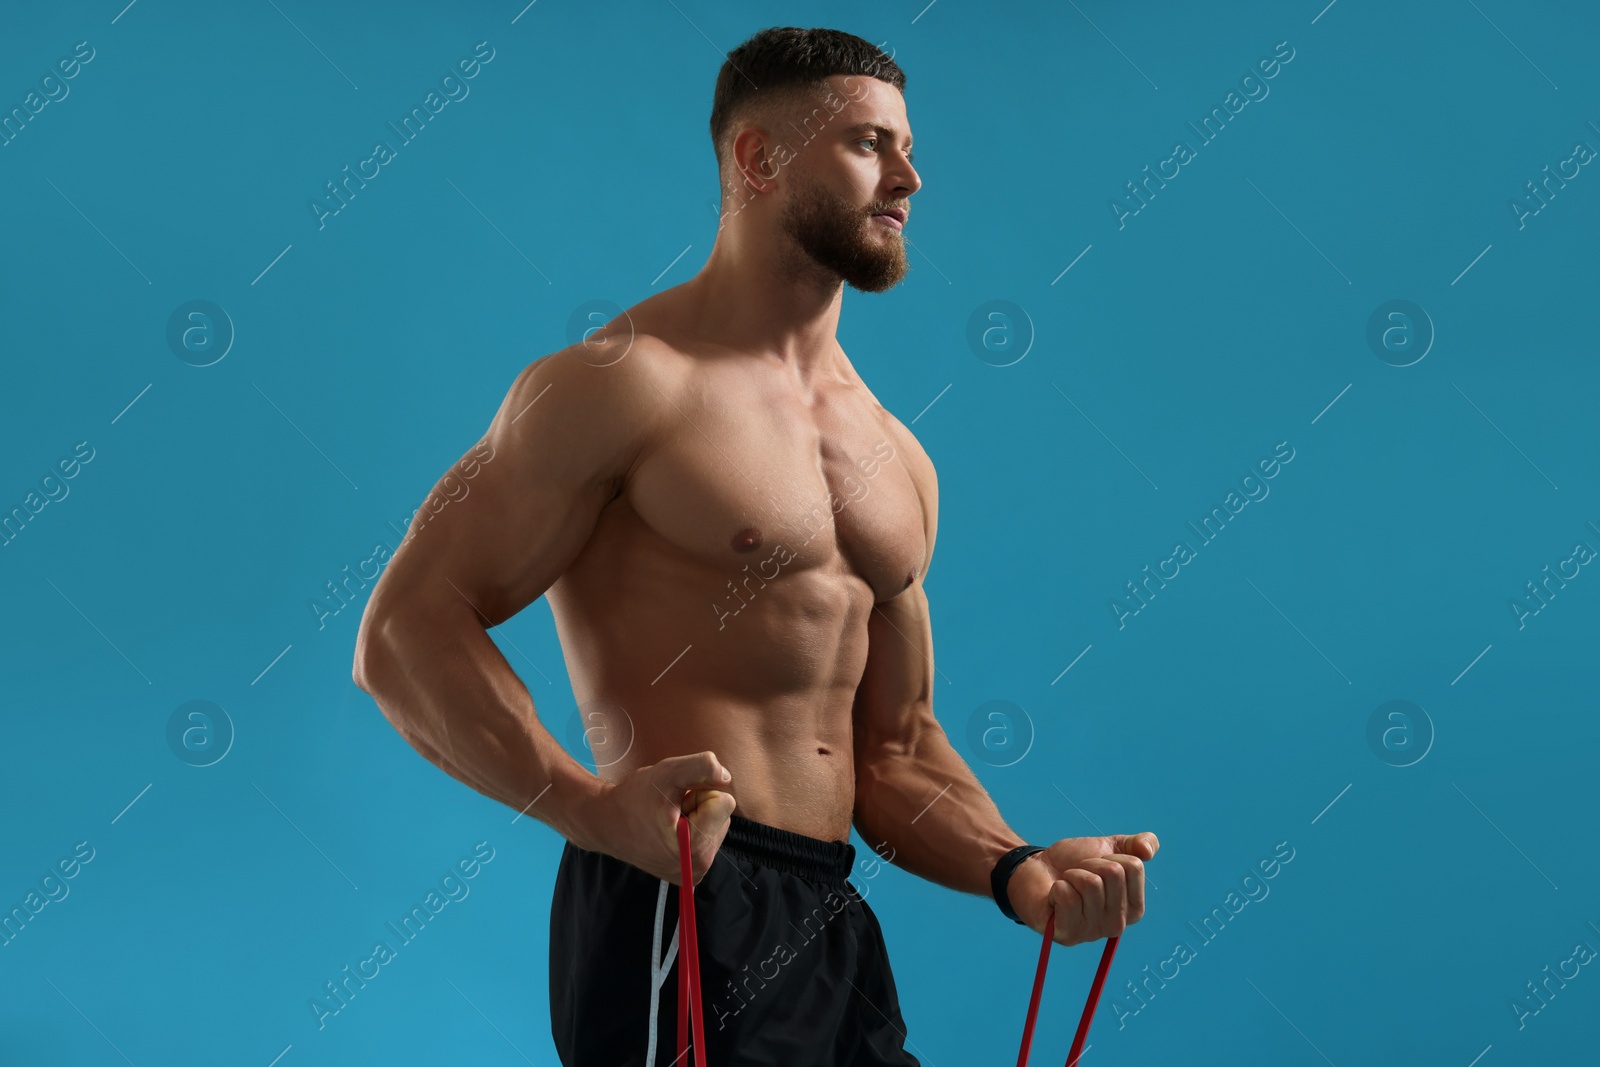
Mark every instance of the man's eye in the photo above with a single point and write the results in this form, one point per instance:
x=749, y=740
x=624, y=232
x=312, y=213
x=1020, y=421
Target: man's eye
x=874, y=141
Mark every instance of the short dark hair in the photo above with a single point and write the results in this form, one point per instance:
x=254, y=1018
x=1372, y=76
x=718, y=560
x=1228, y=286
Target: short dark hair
x=781, y=66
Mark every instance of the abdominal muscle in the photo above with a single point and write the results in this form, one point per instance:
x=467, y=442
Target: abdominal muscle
x=770, y=690
x=792, y=768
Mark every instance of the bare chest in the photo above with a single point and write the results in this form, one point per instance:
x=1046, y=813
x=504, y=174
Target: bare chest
x=754, y=475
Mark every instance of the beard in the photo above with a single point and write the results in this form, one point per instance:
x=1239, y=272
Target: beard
x=838, y=237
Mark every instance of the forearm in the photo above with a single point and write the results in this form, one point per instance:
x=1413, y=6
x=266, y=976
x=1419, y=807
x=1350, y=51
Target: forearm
x=445, y=687
x=923, y=802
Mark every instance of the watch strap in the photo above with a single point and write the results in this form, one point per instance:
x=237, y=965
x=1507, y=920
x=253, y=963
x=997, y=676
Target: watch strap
x=1001, y=875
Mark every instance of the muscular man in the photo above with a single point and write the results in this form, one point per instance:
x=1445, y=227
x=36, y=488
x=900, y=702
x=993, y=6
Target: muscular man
x=734, y=536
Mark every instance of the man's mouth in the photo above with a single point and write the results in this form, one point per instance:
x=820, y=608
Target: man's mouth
x=895, y=218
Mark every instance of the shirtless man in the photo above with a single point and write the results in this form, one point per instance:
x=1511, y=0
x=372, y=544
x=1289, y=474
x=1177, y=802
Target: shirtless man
x=733, y=535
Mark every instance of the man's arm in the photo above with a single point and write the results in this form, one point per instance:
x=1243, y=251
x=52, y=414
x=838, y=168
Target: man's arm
x=916, y=795
x=557, y=452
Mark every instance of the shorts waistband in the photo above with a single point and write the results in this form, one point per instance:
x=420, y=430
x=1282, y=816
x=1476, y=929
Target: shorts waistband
x=785, y=850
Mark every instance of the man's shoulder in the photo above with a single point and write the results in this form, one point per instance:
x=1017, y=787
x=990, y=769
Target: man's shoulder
x=907, y=448
x=602, y=402
x=614, y=372
x=918, y=464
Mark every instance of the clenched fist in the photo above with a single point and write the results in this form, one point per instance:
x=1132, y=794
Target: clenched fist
x=636, y=819
x=1095, y=886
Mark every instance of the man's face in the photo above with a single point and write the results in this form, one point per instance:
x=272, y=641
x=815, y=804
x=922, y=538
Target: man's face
x=856, y=169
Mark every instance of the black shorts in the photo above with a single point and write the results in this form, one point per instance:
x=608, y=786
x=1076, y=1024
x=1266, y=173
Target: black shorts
x=793, y=968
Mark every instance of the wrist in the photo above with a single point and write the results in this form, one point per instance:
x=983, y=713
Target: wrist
x=1001, y=875
x=571, y=803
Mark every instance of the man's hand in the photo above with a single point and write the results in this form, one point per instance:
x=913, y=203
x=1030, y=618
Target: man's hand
x=636, y=819
x=1095, y=886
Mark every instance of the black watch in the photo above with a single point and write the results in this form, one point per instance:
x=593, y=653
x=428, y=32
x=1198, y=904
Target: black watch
x=1002, y=874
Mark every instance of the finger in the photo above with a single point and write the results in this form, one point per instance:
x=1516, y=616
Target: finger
x=1074, y=900
x=699, y=808
x=710, y=809
x=1133, y=867
x=1066, y=904
x=677, y=773
x=1113, y=877
x=708, y=825
x=1144, y=845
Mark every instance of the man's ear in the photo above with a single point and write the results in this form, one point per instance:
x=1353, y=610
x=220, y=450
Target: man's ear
x=752, y=160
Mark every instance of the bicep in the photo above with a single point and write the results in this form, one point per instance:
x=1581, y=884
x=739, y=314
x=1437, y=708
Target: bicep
x=556, y=452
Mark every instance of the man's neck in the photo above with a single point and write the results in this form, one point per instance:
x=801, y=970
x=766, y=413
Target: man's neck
x=757, y=303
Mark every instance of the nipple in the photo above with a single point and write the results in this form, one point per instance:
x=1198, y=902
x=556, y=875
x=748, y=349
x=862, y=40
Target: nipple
x=747, y=540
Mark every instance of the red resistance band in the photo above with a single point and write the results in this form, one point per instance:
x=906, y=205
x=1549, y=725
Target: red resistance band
x=688, y=955
x=689, y=972
x=1038, y=988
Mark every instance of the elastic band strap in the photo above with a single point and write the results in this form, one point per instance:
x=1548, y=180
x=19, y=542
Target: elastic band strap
x=1038, y=988
x=683, y=987
x=1038, y=991
x=1094, y=999
x=688, y=954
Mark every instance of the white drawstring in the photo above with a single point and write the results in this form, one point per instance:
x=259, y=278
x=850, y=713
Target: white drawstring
x=659, y=967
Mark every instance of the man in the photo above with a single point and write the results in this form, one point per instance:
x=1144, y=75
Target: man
x=733, y=535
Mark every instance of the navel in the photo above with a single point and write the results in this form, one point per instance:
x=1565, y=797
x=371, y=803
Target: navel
x=747, y=539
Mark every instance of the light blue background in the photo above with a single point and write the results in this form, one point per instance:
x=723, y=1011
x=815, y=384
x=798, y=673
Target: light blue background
x=1228, y=315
